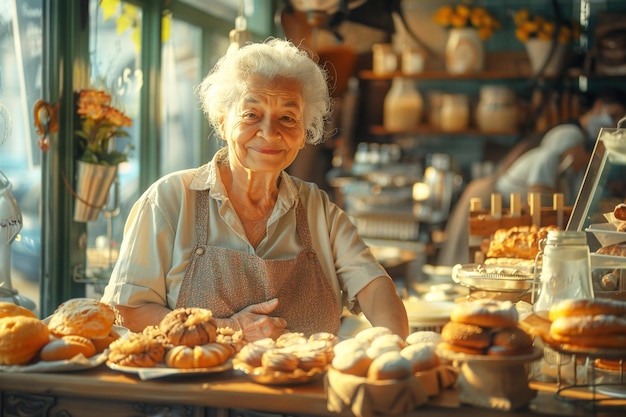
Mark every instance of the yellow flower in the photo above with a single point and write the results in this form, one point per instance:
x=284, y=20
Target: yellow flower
x=529, y=26
x=462, y=15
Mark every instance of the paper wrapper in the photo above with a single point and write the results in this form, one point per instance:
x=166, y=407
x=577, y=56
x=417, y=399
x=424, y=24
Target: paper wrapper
x=367, y=398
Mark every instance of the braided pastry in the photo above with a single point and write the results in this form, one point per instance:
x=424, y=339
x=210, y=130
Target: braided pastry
x=189, y=326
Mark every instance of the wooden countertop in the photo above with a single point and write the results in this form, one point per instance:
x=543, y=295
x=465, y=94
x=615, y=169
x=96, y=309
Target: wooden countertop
x=233, y=390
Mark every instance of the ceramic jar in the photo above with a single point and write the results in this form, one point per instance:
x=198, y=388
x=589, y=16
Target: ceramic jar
x=402, y=108
x=497, y=109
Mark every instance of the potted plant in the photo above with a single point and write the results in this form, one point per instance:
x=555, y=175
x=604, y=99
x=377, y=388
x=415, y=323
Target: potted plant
x=100, y=124
x=468, y=28
x=546, y=41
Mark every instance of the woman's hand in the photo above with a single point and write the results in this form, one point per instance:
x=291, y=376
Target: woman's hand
x=255, y=323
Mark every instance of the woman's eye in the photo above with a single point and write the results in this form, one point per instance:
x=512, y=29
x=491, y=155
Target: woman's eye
x=288, y=120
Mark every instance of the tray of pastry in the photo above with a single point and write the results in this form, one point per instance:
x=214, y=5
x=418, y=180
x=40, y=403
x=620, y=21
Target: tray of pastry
x=266, y=376
x=492, y=277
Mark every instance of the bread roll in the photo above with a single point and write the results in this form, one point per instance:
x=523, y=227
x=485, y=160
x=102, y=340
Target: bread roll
x=102, y=343
x=421, y=356
x=65, y=348
x=371, y=333
x=616, y=249
x=279, y=360
x=510, y=341
x=470, y=336
x=21, y=338
x=389, y=365
x=9, y=310
x=83, y=317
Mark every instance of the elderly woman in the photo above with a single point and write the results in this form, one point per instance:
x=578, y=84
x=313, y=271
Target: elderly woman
x=265, y=252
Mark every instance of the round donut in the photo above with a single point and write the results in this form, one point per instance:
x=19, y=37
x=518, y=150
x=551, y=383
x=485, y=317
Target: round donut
x=510, y=341
x=21, y=338
x=466, y=335
x=619, y=212
x=199, y=356
x=486, y=313
x=421, y=355
x=389, y=365
x=137, y=350
x=462, y=349
x=586, y=307
x=66, y=347
x=189, y=326
x=611, y=341
x=10, y=310
x=598, y=325
x=83, y=317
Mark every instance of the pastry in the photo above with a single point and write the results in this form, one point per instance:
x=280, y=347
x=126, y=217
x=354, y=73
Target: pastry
x=9, y=310
x=371, y=333
x=136, y=350
x=279, y=360
x=66, y=347
x=517, y=242
x=589, y=306
x=464, y=335
x=510, y=341
x=423, y=336
x=616, y=249
x=199, y=356
x=189, y=326
x=83, y=317
x=21, y=338
x=619, y=212
x=102, y=343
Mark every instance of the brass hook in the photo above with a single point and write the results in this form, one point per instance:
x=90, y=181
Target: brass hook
x=46, y=118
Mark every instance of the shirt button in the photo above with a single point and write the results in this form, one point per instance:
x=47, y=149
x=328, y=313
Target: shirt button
x=311, y=255
x=199, y=251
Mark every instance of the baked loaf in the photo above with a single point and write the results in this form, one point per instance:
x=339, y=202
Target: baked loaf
x=136, y=350
x=189, y=326
x=66, y=347
x=200, y=356
x=616, y=249
x=9, y=310
x=102, y=343
x=517, y=242
x=21, y=338
x=83, y=317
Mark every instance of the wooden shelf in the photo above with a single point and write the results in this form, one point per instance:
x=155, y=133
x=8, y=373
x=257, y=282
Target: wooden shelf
x=429, y=130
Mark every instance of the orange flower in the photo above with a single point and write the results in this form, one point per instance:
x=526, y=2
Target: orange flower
x=100, y=124
x=529, y=26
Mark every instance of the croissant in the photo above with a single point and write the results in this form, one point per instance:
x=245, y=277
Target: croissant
x=200, y=356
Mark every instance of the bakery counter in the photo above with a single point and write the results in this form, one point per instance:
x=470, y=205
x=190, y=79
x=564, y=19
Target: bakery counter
x=103, y=392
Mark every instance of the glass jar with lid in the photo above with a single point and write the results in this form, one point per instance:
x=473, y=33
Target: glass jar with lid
x=497, y=109
x=455, y=114
x=402, y=108
x=565, y=270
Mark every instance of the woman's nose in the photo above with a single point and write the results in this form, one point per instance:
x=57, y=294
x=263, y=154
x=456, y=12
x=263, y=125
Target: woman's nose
x=269, y=129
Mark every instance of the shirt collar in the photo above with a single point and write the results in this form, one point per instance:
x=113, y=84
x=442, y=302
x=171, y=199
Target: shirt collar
x=207, y=177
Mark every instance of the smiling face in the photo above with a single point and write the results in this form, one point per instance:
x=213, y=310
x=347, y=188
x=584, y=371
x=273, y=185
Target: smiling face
x=265, y=130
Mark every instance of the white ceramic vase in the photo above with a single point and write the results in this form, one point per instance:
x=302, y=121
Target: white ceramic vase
x=539, y=52
x=464, y=51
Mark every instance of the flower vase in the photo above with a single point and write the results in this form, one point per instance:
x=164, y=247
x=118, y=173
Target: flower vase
x=92, y=189
x=464, y=51
x=539, y=52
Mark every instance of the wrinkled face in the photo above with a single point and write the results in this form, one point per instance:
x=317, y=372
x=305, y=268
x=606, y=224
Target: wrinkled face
x=265, y=130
